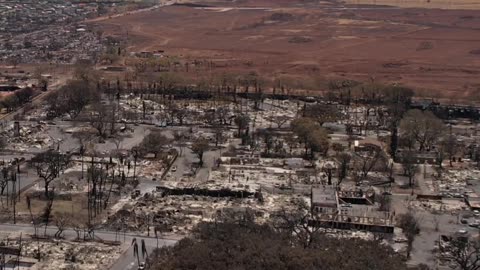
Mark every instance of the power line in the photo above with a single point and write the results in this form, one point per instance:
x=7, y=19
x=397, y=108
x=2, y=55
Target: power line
x=73, y=2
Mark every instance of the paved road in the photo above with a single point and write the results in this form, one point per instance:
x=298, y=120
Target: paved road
x=188, y=158
x=36, y=100
x=128, y=262
x=448, y=223
x=108, y=17
x=125, y=262
x=27, y=176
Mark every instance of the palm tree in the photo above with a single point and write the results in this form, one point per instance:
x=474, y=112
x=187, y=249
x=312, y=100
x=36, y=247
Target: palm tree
x=144, y=250
x=29, y=206
x=156, y=231
x=135, y=250
x=136, y=154
x=82, y=154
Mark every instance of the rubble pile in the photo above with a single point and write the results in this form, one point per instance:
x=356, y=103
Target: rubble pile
x=253, y=177
x=37, y=113
x=454, y=183
x=286, y=109
x=44, y=31
x=21, y=17
x=29, y=136
x=178, y=214
x=208, y=187
x=362, y=115
x=72, y=45
x=257, y=172
x=263, y=118
x=68, y=185
x=439, y=206
x=72, y=255
x=136, y=105
x=144, y=168
x=150, y=169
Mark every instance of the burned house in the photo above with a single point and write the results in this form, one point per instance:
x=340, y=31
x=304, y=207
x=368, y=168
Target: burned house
x=349, y=210
x=324, y=200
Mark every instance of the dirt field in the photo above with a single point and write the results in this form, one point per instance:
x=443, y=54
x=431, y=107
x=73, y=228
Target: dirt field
x=443, y=4
x=436, y=51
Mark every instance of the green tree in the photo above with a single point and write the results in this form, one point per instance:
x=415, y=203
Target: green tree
x=199, y=147
x=410, y=227
x=343, y=160
x=311, y=135
x=318, y=141
x=423, y=127
x=240, y=244
x=242, y=122
x=72, y=98
x=155, y=143
x=267, y=137
x=410, y=166
x=465, y=253
x=48, y=166
x=10, y=102
x=323, y=113
x=449, y=146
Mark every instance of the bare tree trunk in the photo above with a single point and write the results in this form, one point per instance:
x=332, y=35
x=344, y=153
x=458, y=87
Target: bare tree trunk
x=46, y=189
x=109, y=192
x=134, y=168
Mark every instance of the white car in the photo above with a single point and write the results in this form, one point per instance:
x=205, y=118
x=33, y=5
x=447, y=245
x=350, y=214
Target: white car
x=141, y=266
x=174, y=168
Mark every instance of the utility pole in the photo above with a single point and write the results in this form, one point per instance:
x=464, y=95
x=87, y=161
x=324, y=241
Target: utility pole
x=18, y=178
x=14, y=198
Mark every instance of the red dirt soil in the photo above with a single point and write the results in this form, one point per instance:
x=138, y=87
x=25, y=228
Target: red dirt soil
x=435, y=51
